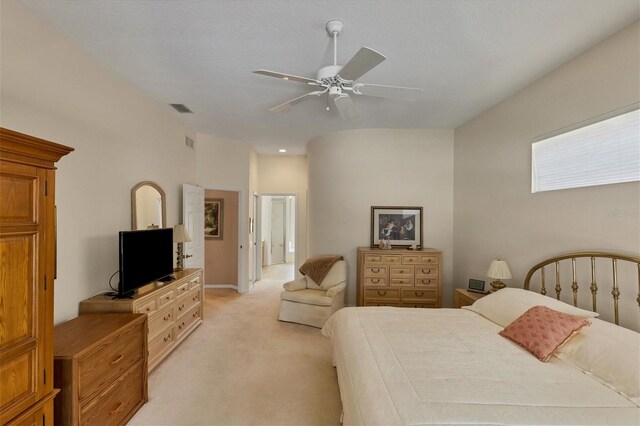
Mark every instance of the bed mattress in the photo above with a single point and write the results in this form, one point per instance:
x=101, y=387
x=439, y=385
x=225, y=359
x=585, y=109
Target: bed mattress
x=399, y=366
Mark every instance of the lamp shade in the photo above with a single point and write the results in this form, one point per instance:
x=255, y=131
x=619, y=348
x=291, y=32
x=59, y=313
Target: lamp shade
x=499, y=270
x=180, y=234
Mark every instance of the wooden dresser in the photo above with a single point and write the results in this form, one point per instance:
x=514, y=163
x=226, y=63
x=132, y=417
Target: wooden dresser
x=399, y=277
x=100, y=366
x=27, y=271
x=174, y=309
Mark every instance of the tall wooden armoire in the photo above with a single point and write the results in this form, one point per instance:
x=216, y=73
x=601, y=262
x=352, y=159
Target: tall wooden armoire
x=27, y=271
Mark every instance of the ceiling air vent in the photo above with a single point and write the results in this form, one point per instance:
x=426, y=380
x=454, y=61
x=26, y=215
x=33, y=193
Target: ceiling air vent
x=181, y=108
x=189, y=142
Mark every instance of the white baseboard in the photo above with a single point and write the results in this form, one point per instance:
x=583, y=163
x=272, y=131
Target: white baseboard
x=235, y=287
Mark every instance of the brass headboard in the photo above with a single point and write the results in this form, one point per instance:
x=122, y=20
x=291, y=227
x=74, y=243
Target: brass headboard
x=615, y=291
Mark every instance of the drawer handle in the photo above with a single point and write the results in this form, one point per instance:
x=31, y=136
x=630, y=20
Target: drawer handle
x=419, y=293
x=167, y=317
x=411, y=259
x=426, y=271
x=148, y=309
x=181, y=307
x=376, y=270
x=167, y=338
x=375, y=281
x=181, y=326
x=195, y=314
x=117, y=360
x=381, y=293
x=119, y=408
x=401, y=271
x=168, y=297
x=196, y=297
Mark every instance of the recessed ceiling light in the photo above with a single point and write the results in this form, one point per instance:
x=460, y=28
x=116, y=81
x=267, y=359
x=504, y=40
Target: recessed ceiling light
x=282, y=150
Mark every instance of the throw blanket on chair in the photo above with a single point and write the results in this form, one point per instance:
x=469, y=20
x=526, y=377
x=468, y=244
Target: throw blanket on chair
x=318, y=267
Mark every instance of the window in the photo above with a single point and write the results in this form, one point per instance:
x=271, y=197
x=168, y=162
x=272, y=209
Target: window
x=600, y=151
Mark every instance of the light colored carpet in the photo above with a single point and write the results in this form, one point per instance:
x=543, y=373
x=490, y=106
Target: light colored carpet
x=244, y=367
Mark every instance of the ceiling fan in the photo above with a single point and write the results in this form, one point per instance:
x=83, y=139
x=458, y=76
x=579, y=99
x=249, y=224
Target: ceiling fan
x=337, y=81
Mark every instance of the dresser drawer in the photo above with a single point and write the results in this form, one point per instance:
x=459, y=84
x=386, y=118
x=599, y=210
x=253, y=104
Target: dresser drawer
x=110, y=359
x=165, y=298
x=115, y=404
x=182, y=290
x=419, y=295
x=410, y=259
x=422, y=281
x=161, y=320
x=185, y=322
x=391, y=259
x=377, y=295
x=427, y=271
x=195, y=282
x=428, y=259
x=406, y=281
x=148, y=307
x=381, y=304
x=188, y=302
x=375, y=271
x=372, y=259
x=159, y=344
x=373, y=281
x=432, y=304
x=400, y=272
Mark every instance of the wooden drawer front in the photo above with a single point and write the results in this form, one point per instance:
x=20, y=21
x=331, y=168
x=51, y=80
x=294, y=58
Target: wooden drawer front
x=114, y=356
x=381, y=304
x=160, y=321
x=419, y=295
x=391, y=259
x=402, y=281
x=186, y=321
x=373, y=281
x=432, y=304
x=375, y=271
x=426, y=259
x=114, y=404
x=421, y=281
x=376, y=295
x=148, y=307
x=401, y=272
x=412, y=259
x=194, y=282
x=182, y=290
x=372, y=259
x=427, y=271
x=188, y=303
x=166, y=298
x=159, y=344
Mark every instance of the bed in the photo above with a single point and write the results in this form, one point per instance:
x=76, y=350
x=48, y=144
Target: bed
x=402, y=366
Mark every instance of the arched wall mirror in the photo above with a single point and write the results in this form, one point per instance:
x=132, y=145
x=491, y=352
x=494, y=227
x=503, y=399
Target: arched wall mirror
x=148, y=206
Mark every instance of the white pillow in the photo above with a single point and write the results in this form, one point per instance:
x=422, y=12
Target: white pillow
x=506, y=305
x=609, y=353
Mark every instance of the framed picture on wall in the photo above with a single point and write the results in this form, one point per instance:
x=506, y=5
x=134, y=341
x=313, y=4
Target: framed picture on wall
x=402, y=226
x=213, y=218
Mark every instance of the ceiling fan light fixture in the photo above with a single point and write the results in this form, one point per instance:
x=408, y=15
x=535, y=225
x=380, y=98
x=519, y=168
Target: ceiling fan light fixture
x=282, y=150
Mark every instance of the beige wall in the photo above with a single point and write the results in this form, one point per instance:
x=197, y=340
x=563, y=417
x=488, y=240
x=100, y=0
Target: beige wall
x=221, y=256
x=495, y=213
x=288, y=175
x=53, y=90
x=353, y=170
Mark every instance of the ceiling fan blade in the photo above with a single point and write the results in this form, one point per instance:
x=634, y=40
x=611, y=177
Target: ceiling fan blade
x=361, y=63
x=289, y=77
x=285, y=106
x=345, y=106
x=383, y=91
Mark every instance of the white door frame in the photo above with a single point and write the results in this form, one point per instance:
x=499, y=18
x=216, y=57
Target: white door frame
x=258, y=218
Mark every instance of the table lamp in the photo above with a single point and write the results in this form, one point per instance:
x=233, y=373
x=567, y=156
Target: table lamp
x=498, y=270
x=180, y=236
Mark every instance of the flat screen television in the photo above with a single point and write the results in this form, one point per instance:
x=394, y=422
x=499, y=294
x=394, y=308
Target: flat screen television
x=145, y=256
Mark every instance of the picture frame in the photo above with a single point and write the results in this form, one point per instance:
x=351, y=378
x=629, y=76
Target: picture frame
x=213, y=218
x=401, y=225
x=476, y=286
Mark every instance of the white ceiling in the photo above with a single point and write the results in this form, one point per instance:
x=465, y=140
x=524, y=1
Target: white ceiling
x=466, y=55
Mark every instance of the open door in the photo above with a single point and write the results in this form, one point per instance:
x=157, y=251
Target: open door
x=193, y=219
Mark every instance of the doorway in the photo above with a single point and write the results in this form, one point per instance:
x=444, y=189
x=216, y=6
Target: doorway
x=221, y=241
x=275, y=232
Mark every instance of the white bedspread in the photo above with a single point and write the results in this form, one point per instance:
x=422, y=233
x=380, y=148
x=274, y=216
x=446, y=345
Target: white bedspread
x=450, y=366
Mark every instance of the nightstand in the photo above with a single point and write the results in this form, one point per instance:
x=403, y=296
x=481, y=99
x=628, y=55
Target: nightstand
x=464, y=297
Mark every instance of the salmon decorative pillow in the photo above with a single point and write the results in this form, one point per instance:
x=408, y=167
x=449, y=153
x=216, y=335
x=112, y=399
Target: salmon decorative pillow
x=541, y=330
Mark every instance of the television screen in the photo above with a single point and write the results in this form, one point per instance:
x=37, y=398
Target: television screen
x=145, y=256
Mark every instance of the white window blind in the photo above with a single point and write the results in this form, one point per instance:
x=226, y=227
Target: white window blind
x=600, y=151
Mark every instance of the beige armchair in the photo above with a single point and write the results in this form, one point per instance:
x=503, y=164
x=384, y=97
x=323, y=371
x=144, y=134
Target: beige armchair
x=305, y=302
